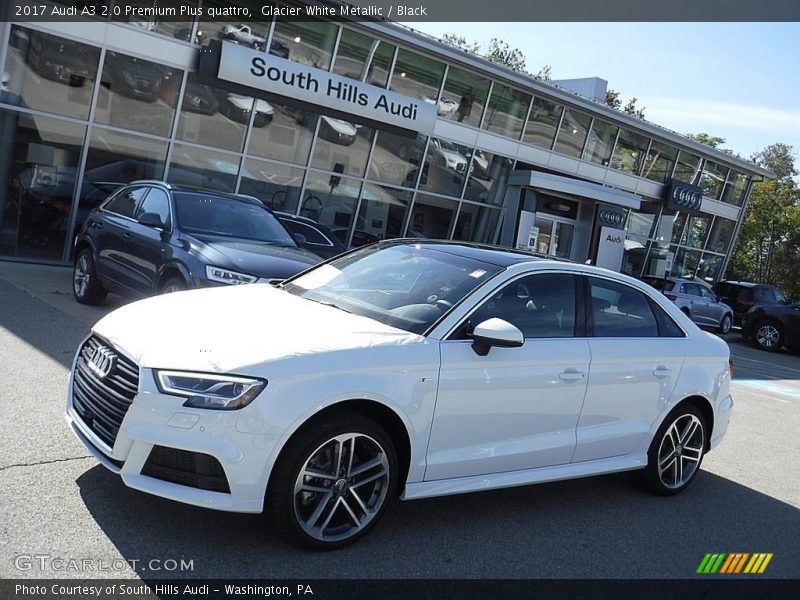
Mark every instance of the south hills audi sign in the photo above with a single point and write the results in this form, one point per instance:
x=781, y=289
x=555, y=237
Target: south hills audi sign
x=684, y=197
x=259, y=71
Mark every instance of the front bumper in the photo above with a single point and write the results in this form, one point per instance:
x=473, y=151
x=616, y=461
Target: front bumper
x=156, y=419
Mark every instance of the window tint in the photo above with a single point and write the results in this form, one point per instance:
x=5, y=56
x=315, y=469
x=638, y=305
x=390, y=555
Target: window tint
x=666, y=326
x=691, y=288
x=312, y=234
x=156, y=202
x=706, y=293
x=124, y=203
x=620, y=311
x=541, y=306
x=779, y=297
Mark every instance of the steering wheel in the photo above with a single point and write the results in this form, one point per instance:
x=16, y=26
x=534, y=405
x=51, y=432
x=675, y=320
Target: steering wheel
x=444, y=305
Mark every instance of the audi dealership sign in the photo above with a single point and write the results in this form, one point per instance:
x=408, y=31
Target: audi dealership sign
x=684, y=197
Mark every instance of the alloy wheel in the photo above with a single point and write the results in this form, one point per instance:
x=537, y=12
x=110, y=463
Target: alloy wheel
x=81, y=275
x=680, y=451
x=341, y=487
x=768, y=336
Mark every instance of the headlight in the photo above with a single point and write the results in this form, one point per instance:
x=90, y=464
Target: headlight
x=206, y=390
x=226, y=276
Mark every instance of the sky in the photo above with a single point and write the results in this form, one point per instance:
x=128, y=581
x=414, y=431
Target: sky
x=738, y=81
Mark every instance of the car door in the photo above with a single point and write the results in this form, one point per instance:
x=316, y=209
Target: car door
x=698, y=306
x=115, y=230
x=515, y=408
x=149, y=244
x=637, y=355
x=715, y=310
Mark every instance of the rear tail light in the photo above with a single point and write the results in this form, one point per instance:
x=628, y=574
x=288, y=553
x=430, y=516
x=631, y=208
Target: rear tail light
x=731, y=367
x=671, y=296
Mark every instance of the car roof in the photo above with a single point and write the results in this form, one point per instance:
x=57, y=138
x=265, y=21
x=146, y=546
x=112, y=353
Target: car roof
x=741, y=283
x=195, y=190
x=495, y=255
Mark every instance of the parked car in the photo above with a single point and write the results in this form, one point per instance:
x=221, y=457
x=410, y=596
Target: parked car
x=238, y=108
x=696, y=300
x=408, y=368
x=200, y=98
x=60, y=59
x=134, y=77
x=316, y=237
x=773, y=326
x=150, y=237
x=741, y=296
x=242, y=34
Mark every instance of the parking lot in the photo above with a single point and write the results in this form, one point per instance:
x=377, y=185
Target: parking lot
x=56, y=501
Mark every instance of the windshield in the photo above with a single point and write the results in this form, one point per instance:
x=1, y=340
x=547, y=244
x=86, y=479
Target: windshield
x=405, y=286
x=214, y=215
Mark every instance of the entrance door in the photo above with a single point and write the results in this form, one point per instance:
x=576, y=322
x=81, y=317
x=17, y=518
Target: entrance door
x=555, y=236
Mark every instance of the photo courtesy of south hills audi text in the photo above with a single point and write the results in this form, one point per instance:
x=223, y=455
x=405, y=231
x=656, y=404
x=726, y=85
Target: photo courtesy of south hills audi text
x=139, y=590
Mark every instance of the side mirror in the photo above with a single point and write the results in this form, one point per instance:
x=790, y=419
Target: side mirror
x=300, y=239
x=151, y=220
x=495, y=332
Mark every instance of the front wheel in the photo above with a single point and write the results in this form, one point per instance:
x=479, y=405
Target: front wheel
x=86, y=288
x=676, y=452
x=334, y=482
x=768, y=336
x=174, y=284
x=725, y=324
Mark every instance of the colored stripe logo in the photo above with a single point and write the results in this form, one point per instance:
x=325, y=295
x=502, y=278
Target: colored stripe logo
x=734, y=562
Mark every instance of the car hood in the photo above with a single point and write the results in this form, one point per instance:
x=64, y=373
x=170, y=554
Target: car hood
x=233, y=329
x=254, y=258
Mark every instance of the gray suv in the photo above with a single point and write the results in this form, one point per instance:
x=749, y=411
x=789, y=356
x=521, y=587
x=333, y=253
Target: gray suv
x=697, y=300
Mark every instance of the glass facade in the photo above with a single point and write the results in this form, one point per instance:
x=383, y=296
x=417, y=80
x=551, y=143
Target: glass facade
x=78, y=121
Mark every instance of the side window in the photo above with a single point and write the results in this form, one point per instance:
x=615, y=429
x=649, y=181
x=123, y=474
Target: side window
x=124, y=203
x=706, y=293
x=667, y=327
x=312, y=234
x=157, y=201
x=779, y=297
x=620, y=311
x=541, y=306
x=692, y=289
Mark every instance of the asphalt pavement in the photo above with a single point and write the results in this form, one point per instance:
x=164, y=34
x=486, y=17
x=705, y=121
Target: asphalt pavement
x=56, y=502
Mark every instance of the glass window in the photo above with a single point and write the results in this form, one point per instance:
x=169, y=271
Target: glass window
x=203, y=168
x=124, y=203
x=696, y=230
x=247, y=33
x=331, y=200
x=277, y=186
x=720, y=236
x=463, y=97
x=506, y=111
x=476, y=223
x=364, y=58
x=540, y=306
x=710, y=268
x=432, y=217
x=382, y=214
x=156, y=202
x=170, y=27
x=640, y=222
x=630, y=151
x=620, y=311
x=712, y=179
x=488, y=175
x=445, y=167
x=687, y=168
x=309, y=41
x=685, y=263
x=286, y=137
x=572, y=133
x=214, y=117
x=417, y=76
x=137, y=94
x=660, y=162
x=735, y=188
x=342, y=146
x=542, y=123
x=50, y=73
x=38, y=167
x=116, y=159
x=678, y=225
x=396, y=158
x=600, y=144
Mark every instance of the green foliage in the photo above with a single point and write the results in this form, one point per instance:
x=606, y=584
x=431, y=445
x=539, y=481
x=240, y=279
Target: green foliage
x=632, y=109
x=498, y=51
x=612, y=99
x=707, y=139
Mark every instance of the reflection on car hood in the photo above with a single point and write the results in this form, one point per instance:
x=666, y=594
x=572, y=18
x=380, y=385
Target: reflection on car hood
x=340, y=126
x=262, y=259
x=232, y=328
x=245, y=103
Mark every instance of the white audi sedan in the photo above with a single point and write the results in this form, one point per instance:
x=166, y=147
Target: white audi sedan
x=405, y=369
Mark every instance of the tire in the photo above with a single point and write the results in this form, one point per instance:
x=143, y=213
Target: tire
x=768, y=336
x=677, y=451
x=725, y=324
x=322, y=512
x=86, y=287
x=173, y=284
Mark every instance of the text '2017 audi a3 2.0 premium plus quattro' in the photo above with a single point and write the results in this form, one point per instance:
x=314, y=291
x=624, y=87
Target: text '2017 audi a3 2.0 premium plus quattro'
x=404, y=369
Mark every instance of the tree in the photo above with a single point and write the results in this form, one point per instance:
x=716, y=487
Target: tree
x=460, y=42
x=707, y=139
x=544, y=74
x=778, y=158
x=632, y=109
x=612, y=99
x=500, y=52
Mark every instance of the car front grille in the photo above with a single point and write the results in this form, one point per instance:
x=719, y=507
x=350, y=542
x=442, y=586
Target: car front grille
x=192, y=469
x=104, y=384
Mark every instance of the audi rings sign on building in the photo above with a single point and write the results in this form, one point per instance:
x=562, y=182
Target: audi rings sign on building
x=102, y=361
x=611, y=218
x=684, y=197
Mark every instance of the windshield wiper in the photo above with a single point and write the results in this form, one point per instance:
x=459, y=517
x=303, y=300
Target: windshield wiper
x=331, y=304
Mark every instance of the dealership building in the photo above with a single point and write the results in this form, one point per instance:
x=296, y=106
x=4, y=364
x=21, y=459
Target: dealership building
x=372, y=129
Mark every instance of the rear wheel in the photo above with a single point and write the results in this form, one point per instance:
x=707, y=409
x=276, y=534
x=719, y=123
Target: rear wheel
x=334, y=481
x=768, y=336
x=676, y=452
x=86, y=288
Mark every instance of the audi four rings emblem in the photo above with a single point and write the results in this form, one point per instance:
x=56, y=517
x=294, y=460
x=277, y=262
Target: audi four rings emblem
x=612, y=217
x=102, y=361
x=686, y=198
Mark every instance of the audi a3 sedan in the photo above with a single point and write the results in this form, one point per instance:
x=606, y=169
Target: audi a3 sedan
x=406, y=369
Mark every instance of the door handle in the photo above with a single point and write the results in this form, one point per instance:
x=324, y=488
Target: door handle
x=662, y=372
x=571, y=375
x=127, y=235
